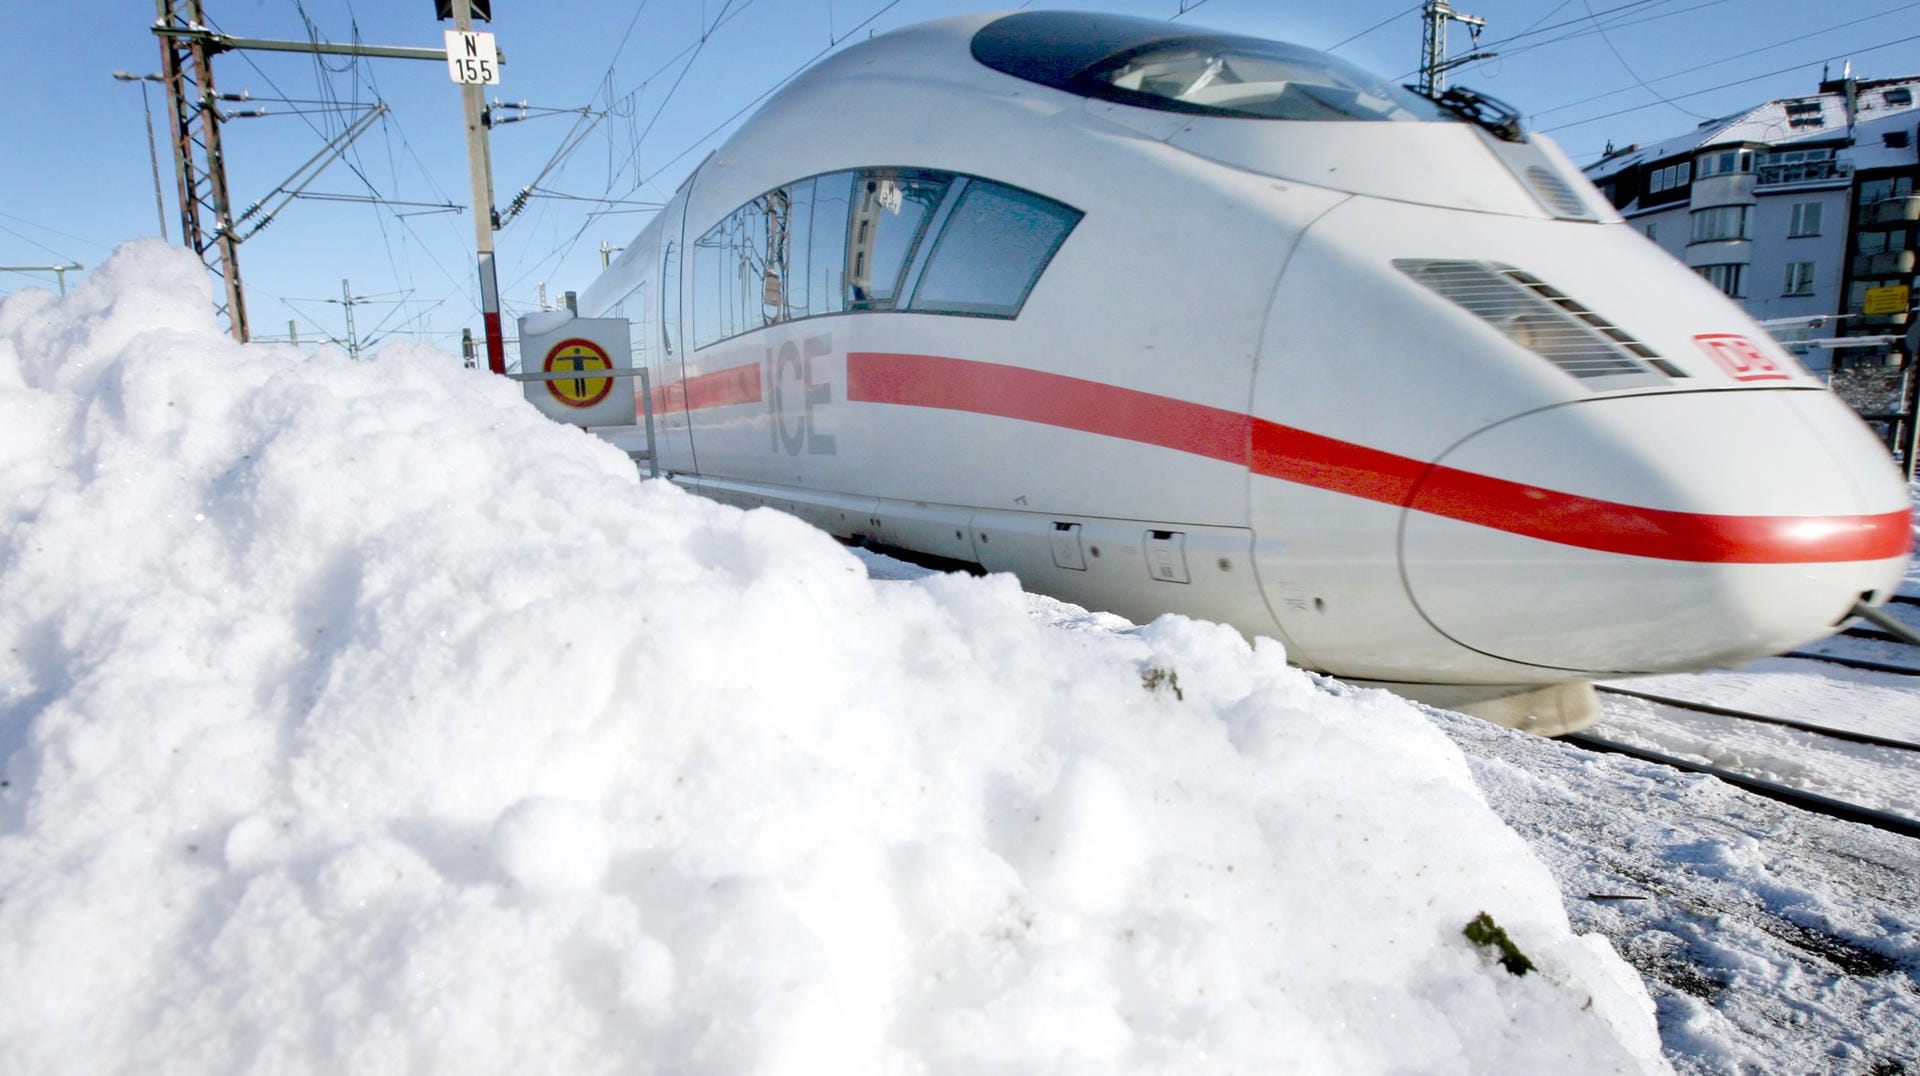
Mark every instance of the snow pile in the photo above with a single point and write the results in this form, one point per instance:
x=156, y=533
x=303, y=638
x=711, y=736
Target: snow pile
x=357, y=719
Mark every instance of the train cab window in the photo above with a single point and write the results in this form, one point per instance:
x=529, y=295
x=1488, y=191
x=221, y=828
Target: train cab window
x=868, y=240
x=827, y=251
x=1152, y=64
x=991, y=251
x=890, y=211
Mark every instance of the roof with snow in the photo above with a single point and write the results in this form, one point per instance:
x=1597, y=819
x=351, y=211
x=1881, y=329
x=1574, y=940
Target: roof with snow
x=1817, y=118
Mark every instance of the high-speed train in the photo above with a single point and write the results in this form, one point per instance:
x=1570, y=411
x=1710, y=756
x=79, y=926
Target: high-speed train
x=1166, y=320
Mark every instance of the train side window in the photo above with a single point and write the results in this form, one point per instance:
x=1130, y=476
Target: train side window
x=759, y=220
x=890, y=211
x=827, y=253
x=793, y=256
x=867, y=240
x=996, y=243
x=738, y=256
x=634, y=309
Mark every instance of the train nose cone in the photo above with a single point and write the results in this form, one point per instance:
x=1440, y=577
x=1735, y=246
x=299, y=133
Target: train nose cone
x=1655, y=533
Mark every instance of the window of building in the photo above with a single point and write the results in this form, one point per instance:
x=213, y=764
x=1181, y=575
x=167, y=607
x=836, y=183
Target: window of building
x=1894, y=139
x=1714, y=164
x=865, y=240
x=1805, y=114
x=1879, y=190
x=1880, y=242
x=1806, y=219
x=1728, y=278
x=1898, y=97
x=1721, y=222
x=1799, y=279
x=1669, y=177
x=1799, y=166
x=1875, y=191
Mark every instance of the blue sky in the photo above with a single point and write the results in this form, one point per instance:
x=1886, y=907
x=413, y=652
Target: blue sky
x=77, y=177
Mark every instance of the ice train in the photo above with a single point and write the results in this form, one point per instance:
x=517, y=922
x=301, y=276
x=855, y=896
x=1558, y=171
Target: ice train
x=1166, y=320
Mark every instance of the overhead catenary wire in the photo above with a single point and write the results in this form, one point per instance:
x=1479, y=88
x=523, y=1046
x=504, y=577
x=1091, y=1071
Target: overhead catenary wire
x=1742, y=81
x=1343, y=42
x=1796, y=39
x=1628, y=68
x=331, y=104
x=637, y=164
x=560, y=251
x=64, y=235
x=1622, y=16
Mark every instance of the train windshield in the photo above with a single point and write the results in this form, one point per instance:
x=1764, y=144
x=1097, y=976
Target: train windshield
x=1276, y=82
x=1148, y=64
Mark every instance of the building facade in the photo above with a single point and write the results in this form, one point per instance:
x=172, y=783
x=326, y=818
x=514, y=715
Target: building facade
x=1804, y=208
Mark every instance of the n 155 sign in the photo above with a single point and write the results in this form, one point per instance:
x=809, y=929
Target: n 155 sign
x=471, y=57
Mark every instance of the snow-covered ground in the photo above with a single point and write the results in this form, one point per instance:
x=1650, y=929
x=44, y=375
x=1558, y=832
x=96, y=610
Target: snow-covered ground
x=1774, y=941
x=357, y=719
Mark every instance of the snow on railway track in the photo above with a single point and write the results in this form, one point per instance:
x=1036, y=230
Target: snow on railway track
x=1772, y=939
x=1838, y=725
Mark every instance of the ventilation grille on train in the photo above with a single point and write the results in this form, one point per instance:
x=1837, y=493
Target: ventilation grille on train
x=1540, y=318
x=1554, y=192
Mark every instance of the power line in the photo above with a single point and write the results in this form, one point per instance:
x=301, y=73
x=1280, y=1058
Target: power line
x=1350, y=40
x=1740, y=81
x=706, y=34
x=1629, y=68
x=1794, y=40
x=44, y=228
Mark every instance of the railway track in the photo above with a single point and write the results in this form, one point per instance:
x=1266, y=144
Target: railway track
x=1794, y=797
x=1808, y=801
x=1907, y=656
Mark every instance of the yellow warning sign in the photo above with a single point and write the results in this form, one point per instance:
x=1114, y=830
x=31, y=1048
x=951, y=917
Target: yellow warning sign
x=1891, y=299
x=582, y=356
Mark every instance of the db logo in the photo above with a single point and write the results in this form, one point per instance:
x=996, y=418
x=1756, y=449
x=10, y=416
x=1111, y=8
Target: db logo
x=1739, y=358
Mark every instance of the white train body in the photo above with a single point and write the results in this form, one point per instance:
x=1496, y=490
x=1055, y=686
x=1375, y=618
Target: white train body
x=1402, y=393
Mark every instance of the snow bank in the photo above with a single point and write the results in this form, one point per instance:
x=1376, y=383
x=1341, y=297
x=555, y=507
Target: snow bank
x=357, y=719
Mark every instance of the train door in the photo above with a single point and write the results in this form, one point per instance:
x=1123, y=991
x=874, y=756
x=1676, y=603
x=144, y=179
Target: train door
x=670, y=374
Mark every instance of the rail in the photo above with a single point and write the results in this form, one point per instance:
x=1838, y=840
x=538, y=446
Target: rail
x=1723, y=711
x=1806, y=801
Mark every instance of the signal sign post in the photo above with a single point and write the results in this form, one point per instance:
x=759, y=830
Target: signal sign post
x=470, y=58
x=585, y=373
x=473, y=63
x=587, y=377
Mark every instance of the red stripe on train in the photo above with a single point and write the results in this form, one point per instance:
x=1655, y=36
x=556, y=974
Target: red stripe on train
x=1311, y=459
x=721, y=388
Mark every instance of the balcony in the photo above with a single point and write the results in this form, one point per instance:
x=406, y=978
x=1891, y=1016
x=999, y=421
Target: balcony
x=1884, y=264
x=1779, y=175
x=1896, y=211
